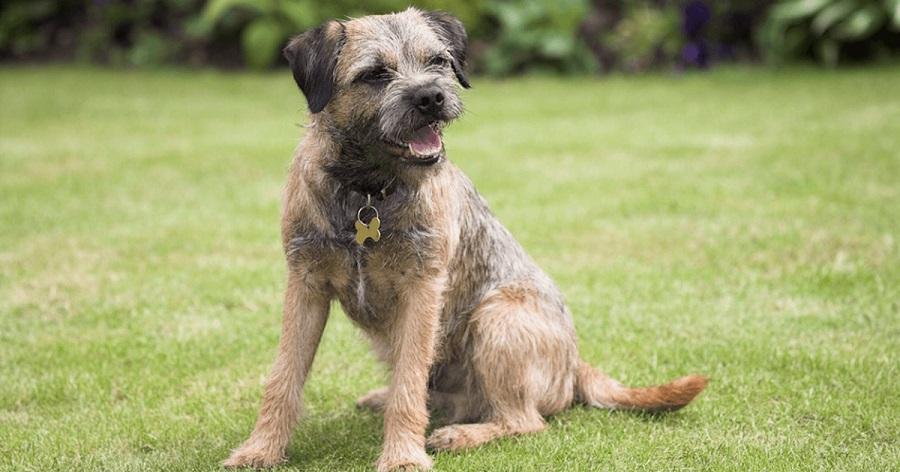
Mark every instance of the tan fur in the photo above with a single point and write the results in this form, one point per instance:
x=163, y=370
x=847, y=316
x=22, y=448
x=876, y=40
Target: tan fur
x=596, y=389
x=305, y=312
x=451, y=303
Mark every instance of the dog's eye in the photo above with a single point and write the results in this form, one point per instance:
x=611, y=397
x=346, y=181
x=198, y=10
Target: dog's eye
x=378, y=75
x=439, y=61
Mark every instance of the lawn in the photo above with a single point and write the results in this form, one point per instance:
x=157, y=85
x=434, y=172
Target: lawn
x=742, y=223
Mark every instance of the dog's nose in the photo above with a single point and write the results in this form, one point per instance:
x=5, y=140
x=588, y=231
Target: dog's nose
x=428, y=99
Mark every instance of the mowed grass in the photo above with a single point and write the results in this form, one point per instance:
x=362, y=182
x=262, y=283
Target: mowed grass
x=742, y=224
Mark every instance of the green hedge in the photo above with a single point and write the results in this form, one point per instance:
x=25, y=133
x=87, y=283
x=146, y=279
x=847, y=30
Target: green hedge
x=506, y=37
x=831, y=29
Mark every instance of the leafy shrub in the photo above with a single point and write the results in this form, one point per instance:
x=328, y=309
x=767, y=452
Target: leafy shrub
x=264, y=26
x=638, y=35
x=732, y=28
x=537, y=35
x=506, y=36
x=645, y=37
x=827, y=28
x=28, y=27
x=114, y=32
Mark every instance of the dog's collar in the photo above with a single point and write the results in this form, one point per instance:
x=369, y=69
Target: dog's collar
x=372, y=192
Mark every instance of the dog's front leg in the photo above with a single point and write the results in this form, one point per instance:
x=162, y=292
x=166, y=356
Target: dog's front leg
x=412, y=352
x=305, y=313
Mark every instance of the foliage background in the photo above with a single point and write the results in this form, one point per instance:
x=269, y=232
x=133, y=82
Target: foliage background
x=507, y=37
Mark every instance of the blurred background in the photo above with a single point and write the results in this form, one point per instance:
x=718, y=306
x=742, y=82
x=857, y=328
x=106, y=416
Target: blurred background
x=507, y=37
x=712, y=184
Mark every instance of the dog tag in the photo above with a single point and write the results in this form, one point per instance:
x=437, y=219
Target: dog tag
x=368, y=231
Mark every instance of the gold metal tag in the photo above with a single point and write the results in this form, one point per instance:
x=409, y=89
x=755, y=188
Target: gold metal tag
x=367, y=231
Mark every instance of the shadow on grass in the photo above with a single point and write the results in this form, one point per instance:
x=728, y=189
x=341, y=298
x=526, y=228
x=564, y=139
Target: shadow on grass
x=670, y=417
x=351, y=439
x=345, y=440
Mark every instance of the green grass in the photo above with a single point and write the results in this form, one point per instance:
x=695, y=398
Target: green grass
x=742, y=223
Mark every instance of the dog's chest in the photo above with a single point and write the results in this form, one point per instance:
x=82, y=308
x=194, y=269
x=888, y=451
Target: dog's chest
x=371, y=280
x=368, y=280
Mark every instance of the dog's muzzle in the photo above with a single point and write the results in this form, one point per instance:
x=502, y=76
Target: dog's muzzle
x=423, y=146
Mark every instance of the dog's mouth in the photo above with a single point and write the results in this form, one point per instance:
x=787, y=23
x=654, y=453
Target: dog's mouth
x=423, y=146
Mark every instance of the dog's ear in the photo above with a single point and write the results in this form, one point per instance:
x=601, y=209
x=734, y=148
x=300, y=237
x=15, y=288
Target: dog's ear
x=452, y=31
x=312, y=57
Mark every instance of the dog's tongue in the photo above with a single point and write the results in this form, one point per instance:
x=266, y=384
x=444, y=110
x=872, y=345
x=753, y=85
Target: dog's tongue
x=425, y=142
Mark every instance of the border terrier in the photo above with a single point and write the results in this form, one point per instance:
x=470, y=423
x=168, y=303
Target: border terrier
x=376, y=217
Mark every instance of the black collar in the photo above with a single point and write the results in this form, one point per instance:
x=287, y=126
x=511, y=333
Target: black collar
x=377, y=191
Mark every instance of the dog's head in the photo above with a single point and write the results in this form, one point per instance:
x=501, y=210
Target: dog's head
x=384, y=84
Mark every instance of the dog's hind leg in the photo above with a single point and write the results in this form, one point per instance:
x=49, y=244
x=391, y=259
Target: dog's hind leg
x=523, y=362
x=374, y=400
x=464, y=436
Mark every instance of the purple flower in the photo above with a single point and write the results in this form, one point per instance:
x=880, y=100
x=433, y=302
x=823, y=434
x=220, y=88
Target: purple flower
x=695, y=15
x=695, y=54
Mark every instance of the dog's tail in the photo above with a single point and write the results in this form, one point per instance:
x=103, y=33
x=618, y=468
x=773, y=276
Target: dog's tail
x=594, y=388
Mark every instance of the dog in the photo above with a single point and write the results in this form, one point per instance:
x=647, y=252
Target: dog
x=376, y=217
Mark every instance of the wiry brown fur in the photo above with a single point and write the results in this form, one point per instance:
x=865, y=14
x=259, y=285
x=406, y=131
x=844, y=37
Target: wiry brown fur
x=451, y=302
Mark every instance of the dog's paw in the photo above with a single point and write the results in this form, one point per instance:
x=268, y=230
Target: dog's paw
x=411, y=460
x=446, y=438
x=254, y=455
x=374, y=400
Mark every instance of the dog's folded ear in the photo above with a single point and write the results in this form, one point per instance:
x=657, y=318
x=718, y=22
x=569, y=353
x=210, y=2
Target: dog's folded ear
x=452, y=31
x=312, y=57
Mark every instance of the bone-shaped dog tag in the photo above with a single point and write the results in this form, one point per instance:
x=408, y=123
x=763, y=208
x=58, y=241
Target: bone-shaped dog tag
x=368, y=231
